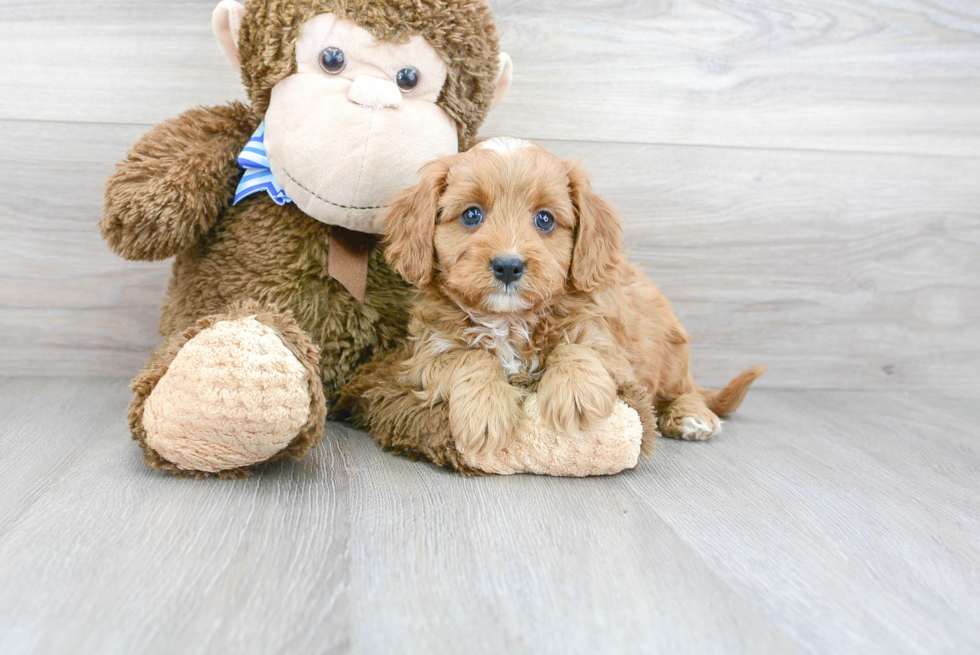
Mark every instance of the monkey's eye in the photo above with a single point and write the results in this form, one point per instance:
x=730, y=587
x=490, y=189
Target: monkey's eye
x=471, y=216
x=544, y=221
x=407, y=79
x=332, y=60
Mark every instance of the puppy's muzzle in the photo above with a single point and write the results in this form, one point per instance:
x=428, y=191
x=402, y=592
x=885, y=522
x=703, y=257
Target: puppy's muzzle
x=508, y=269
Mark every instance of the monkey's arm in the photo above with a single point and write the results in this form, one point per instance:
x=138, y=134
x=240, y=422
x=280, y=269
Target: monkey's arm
x=175, y=182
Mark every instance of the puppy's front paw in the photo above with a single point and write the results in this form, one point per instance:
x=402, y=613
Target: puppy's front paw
x=483, y=421
x=576, y=394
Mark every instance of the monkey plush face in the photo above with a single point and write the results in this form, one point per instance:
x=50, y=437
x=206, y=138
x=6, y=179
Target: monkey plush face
x=358, y=111
x=355, y=122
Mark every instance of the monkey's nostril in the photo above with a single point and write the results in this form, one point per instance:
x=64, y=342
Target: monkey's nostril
x=508, y=269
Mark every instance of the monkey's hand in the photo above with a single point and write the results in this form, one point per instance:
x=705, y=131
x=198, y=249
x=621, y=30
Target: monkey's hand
x=175, y=182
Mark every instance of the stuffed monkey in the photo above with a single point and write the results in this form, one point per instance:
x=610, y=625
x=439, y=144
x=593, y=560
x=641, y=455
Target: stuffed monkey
x=277, y=294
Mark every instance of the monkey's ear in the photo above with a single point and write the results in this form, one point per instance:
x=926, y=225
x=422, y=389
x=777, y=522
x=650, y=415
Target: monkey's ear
x=505, y=76
x=598, y=249
x=226, y=20
x=410, y=225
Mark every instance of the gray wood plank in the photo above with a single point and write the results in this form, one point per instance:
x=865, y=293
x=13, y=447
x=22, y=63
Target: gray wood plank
x=860, y=75
x=183, y=12
x=135, y=69
x=823, y=522
x=839, y=270
x=817, y=522
x=443, y=564
x=67, y=304
x=100, y=555
x=851, y=75
x=850, y=519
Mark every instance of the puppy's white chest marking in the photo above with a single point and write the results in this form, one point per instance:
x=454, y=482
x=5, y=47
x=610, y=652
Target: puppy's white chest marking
x=509, y=359
x=498, y=336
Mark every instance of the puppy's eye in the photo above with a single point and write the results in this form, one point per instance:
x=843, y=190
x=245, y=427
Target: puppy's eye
x=332, y=60
x=471, y=217
x=407, y=79
x=544, y=221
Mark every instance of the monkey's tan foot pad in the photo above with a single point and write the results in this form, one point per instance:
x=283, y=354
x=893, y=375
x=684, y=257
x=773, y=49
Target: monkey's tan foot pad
x=233, y=396
x=612, y=446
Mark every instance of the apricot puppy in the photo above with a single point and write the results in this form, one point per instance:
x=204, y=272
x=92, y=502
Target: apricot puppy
x=522, y=272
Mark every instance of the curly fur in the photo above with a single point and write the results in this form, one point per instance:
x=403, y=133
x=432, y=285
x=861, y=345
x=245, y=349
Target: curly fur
x=176, y=182
x=581, y=318
x=379, y=401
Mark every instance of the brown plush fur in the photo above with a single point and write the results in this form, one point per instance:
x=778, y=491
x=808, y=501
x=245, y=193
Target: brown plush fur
x=172, y=197
x=176, y=182
x=581, y=317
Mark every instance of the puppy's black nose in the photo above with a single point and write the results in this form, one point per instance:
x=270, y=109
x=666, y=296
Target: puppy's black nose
x=508, y=269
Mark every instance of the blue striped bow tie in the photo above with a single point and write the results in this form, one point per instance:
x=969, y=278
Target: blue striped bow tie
x=258, y=177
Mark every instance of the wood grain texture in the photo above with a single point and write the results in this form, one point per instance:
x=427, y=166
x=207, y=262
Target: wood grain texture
x=868, y=75
x=817, y=522
x=774, y=231
x=797, y=530
x=850, y=75
x=95, y=71
x=100, y=555
x=67, y=304
x=839, y=270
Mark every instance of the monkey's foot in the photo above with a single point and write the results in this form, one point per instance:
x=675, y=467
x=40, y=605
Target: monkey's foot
x=612, y=446
x=234, y=394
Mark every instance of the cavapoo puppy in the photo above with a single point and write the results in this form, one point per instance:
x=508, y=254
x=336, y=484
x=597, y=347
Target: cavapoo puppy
x=522, y=272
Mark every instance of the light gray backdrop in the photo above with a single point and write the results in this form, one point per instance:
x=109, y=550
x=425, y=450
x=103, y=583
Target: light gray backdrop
x=801, y=178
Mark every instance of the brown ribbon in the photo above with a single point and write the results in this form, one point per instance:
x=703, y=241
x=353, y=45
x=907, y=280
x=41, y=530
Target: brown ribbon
x=347, y=260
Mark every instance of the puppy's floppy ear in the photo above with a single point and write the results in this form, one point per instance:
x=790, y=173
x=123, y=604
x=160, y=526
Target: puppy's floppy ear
x=410, y=224
x=598, y=235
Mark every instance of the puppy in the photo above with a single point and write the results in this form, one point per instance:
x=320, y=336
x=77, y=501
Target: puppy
x=522, y=272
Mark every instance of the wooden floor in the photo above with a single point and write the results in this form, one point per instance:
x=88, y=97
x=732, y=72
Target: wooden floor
x=818, y=522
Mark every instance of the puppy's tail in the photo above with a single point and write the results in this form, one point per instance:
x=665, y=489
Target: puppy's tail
x=727, y=400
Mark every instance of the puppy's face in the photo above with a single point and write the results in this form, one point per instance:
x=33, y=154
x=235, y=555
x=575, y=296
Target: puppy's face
x=503, y=228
